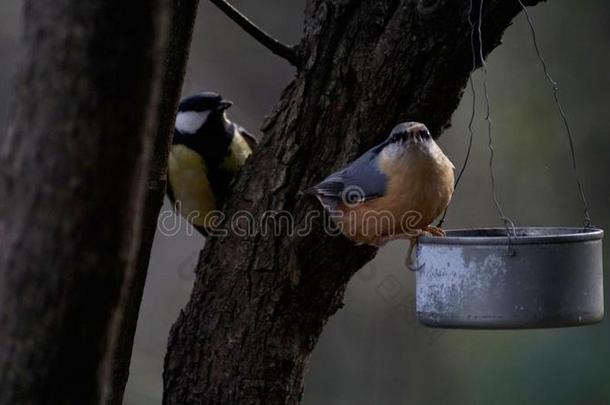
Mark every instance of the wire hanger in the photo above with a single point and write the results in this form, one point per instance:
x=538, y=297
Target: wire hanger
x=508, y=223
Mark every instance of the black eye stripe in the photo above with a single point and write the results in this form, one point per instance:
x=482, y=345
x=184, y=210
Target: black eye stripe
x=407, y=131
x=399, y=136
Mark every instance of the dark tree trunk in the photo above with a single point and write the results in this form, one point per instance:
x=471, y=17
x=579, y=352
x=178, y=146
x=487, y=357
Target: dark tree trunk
x=73, y=172
x=260, y=301
x=182, y=21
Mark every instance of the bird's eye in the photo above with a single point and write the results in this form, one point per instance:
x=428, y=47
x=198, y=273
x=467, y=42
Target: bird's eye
x=398, y=136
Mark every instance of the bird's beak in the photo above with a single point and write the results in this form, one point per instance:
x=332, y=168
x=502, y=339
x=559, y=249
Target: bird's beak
x=417, y=127
x=224, y=104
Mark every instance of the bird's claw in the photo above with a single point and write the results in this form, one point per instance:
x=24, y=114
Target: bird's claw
x=412, y=245
x=429, y=230
x=412, y=237
x=434, y=231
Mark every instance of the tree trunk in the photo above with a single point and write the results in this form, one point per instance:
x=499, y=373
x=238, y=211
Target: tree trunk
x=260, y=300
x=73, y=170
x=182, y=21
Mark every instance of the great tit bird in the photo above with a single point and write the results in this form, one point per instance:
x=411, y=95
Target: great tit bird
x=206, y=152
x=393, y=191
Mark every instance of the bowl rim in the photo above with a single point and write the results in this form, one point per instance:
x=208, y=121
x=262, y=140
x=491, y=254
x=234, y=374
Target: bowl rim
x=539, y=235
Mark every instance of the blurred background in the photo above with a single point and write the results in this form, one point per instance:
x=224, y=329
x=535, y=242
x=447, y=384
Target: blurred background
x=373, y=351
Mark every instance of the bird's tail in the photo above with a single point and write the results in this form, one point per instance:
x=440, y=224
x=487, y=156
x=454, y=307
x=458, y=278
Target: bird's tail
x=308, y=191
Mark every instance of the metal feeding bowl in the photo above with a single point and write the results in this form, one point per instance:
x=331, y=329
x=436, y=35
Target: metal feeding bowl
x=542, y=278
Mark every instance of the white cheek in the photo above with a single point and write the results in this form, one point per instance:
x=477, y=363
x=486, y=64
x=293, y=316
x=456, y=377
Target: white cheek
x=190, y=121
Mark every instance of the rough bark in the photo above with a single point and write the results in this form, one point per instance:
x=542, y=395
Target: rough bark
x=260, y=301
x=182, y=21
x=73, y=167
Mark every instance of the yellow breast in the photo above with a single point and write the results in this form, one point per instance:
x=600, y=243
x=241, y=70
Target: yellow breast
x=190, y=185
x=239, y=152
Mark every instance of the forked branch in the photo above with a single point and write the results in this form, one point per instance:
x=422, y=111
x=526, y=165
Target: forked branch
x=280, y=49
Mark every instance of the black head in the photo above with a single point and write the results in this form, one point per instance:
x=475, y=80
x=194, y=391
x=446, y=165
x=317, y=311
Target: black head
x=203, y=110
x=201, y=125
x=206, y=101
x=409, y=131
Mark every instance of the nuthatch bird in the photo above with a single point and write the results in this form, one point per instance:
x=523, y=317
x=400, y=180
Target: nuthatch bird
x=206, y=152
x=393, y=191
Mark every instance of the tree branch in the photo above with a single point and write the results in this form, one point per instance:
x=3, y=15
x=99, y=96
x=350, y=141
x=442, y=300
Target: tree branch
x=182, y=20
x=280, y=49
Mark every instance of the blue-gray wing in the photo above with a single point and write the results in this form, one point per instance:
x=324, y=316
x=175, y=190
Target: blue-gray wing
x=360, y=181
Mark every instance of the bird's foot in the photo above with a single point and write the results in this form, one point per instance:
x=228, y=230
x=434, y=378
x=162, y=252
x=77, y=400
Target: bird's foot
x=412, y=238
x=430, y=230
x=409, y=260
x=433, y=231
